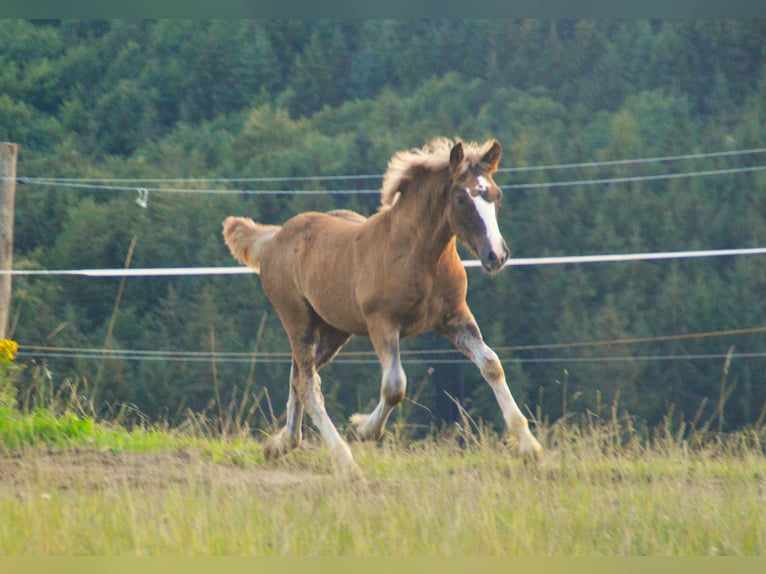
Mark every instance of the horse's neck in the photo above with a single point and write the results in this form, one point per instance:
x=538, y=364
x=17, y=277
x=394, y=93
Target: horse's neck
x=423, y=219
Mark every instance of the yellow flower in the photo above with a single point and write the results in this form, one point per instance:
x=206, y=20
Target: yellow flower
x=8, y=350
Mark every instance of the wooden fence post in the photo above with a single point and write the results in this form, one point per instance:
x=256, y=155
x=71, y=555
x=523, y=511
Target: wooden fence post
x=8, y=155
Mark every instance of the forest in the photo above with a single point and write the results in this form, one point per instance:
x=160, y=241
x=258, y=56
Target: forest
x=137, y=138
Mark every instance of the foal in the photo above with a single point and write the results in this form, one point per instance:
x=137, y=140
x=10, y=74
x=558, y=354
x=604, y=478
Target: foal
x=397, y=274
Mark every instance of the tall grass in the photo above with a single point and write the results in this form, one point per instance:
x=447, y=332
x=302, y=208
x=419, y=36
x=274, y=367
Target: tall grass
x=605, y=487
x=440, y=496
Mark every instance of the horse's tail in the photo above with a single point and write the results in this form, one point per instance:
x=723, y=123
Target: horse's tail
x=246, y=239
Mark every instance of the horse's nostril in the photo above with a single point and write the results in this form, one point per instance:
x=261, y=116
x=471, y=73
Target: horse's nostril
x=494, y=261
x=506, y=253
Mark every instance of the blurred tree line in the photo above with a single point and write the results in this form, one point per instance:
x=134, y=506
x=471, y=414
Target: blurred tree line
x=299, y=99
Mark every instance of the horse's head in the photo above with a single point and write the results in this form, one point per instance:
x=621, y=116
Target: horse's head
x=473, y=205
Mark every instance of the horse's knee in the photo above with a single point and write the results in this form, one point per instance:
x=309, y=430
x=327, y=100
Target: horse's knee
x=491, y=367
x=394, y=385
x=470, y=342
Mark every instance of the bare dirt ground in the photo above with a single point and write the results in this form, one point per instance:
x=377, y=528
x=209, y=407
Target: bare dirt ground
x=83, y=469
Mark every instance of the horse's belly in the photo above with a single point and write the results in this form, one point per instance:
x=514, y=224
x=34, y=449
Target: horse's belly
x=330, y=294
x=323, y=253
x=420, y=319
x=342, y=315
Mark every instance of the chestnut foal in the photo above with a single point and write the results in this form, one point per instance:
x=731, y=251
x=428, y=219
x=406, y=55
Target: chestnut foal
x=396, y=274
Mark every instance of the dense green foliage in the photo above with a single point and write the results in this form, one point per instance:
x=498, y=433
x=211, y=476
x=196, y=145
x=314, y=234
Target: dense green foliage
x=251, y=99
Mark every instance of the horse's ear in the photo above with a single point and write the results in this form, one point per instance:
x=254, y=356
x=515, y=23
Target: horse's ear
x=456, y=158
x=491, y=158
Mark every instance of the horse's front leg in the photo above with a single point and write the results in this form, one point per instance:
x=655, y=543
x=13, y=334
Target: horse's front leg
x=385, y=339
x=466, y=336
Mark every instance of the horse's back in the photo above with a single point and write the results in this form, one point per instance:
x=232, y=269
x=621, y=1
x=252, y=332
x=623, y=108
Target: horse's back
x=311, y=260
x=348, y=269
x=348, y=215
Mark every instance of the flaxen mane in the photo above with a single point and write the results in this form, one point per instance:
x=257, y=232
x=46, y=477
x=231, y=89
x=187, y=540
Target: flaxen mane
x=432, y=156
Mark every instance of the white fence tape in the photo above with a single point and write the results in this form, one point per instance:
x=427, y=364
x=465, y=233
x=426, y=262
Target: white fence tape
x=470, y=263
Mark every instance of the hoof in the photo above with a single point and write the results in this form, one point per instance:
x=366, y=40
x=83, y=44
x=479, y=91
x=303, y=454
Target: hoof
x=531, y=451
x=351, y=434
x=351, y=473
x=278, y=445
x=273, y=450
x=358, y=419
x=359, y=428
x=343, y=464
x=356, y=427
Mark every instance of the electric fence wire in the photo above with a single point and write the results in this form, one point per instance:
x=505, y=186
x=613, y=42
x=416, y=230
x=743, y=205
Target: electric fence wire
x=123, y=184
x=352, y=177
x=430, y=356
x=131, y=184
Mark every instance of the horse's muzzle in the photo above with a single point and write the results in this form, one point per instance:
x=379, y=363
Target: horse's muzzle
x=493, y=261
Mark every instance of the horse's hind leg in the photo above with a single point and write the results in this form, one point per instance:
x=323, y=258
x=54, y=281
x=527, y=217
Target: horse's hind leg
x=289, y=436
x=393, y=385
x=331, y=340
x=304, y=337
x=465, y=334
x=313, y=401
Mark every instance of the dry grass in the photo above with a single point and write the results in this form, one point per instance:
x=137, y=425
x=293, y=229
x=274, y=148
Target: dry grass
x=601, y=490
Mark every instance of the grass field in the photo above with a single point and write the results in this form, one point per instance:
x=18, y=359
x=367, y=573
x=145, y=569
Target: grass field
x=72, y=486
x=69, y=486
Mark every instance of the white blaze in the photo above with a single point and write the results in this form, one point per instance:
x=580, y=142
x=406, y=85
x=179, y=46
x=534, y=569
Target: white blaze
x=488, y=214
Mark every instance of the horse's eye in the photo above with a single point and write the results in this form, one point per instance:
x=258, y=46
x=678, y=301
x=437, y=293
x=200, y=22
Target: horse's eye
x=460, y=200
x=482, y=185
